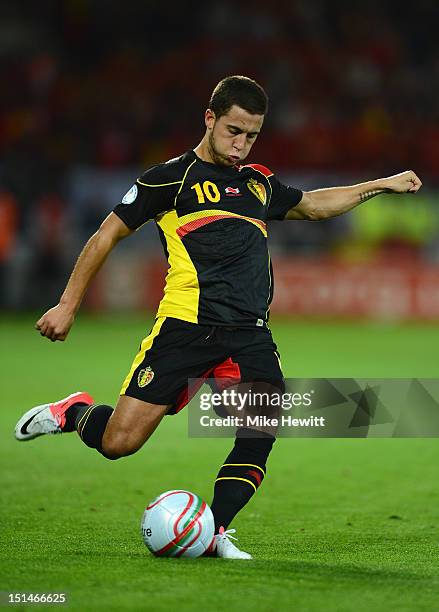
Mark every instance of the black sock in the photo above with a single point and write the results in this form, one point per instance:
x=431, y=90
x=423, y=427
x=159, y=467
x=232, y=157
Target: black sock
x=90, y=423
x=72, y=414
x=240, y=476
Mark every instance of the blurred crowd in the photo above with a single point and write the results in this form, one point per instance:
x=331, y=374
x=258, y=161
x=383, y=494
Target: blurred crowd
x=353, y=91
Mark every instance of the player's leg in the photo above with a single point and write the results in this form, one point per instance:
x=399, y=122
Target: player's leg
x=134, y=419
x=120, y=432
x=241, y=475
x=237, y=481
x=113, y=433
x=173, y=352
x=254, y=358
x=141, y=404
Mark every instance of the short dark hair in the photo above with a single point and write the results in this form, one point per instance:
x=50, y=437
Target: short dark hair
x=239, y=90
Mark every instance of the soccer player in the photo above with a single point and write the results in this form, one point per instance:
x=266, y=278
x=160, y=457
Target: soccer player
x=211, y=212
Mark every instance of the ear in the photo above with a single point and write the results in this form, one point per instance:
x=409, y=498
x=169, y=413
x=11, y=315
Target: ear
x=209, y=119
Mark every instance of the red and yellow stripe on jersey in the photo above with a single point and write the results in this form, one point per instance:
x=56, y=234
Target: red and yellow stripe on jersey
x=189, y=223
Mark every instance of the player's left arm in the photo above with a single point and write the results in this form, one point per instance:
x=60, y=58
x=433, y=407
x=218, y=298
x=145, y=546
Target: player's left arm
x=325, y=203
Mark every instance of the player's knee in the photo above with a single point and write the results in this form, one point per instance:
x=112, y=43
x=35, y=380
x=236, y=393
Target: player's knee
x=119, y=445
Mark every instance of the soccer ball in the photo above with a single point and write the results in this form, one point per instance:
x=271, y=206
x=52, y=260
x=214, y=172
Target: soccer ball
x=178, y=524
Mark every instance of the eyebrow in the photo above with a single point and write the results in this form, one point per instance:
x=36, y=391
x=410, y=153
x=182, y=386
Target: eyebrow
x=238, y=129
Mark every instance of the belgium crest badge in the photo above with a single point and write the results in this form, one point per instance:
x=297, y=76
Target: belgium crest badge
x=145, y=376
x=258, y=189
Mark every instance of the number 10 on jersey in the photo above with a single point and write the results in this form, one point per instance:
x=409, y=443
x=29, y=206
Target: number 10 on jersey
x=208, y=190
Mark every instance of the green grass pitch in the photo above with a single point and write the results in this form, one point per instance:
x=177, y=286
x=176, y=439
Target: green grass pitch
x=338, y=525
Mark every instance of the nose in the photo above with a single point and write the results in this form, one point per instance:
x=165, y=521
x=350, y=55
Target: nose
x=239, y=142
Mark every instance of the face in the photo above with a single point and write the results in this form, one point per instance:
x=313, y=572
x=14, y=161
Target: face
x=231, y=137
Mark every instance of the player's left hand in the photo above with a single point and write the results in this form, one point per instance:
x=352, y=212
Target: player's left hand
x=404, y=182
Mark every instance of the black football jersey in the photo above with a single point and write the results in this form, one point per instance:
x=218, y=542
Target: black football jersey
x=212, y=222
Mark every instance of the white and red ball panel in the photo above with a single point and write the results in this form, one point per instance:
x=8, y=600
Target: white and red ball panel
x=177, y=524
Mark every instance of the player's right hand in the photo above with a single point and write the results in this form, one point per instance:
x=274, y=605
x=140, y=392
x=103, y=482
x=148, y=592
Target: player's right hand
x=55, y=324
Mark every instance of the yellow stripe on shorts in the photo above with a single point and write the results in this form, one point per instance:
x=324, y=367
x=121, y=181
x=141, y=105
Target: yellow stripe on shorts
x=145, y=346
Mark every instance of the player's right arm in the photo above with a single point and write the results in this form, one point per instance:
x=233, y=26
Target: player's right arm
x=55, y=324
x=152, y=194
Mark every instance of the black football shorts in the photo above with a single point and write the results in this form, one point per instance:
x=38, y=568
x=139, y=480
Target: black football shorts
x=176, y=351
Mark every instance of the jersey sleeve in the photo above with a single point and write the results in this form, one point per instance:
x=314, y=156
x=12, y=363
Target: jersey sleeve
x=153, y=193
x=283, y=197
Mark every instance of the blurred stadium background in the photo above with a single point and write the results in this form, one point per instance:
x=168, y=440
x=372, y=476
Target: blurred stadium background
x=94, y=92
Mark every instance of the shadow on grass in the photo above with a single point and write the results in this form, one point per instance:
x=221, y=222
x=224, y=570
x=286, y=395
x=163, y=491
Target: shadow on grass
x=273, y=570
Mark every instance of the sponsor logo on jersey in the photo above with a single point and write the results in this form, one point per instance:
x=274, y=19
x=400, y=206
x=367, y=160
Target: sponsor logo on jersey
x=231, y=191
x=130, y=195
x=145, y=376
x=258, y=189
